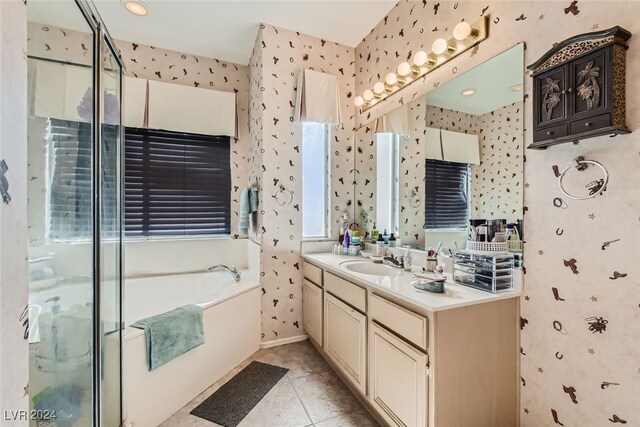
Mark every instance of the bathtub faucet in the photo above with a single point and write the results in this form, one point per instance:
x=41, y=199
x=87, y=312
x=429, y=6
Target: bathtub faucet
x=234, y=272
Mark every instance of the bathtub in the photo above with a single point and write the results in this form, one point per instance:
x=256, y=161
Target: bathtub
x=231, y=316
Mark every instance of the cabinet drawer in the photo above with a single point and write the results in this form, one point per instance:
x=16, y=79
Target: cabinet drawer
x=591, y=123
x=312, y=310
x=409, y=325
x=312, y=273
x=346, y=291
x=550, y=132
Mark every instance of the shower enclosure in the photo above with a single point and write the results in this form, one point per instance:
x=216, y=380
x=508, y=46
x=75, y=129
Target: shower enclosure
x=74, y=216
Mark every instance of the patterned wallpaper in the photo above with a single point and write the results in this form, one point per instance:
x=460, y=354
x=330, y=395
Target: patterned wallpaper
x=153, y=63
x=580, y=312
x=278, y=57
x=14, y=371
x=496, y=183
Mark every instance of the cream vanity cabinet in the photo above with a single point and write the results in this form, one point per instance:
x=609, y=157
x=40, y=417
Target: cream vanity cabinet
x=415, y=367
x=312, y=301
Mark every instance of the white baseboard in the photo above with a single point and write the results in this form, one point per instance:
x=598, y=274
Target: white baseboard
x=283, y=341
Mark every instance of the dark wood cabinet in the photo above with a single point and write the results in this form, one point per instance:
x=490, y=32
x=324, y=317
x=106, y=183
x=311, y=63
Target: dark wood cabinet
x=579, y=89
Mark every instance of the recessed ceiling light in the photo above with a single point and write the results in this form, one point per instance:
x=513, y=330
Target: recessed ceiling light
x=136, y=7
x=516, y=88
x=469, y=92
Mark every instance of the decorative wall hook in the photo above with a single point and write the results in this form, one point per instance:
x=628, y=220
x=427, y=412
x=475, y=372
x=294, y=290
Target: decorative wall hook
x=4, y=183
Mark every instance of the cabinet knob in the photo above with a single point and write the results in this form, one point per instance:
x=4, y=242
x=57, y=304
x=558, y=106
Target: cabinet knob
x=587, y=124
x=549, y=132
x=569, y=90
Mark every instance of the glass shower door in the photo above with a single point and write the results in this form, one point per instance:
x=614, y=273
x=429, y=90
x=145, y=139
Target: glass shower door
x=110, y=235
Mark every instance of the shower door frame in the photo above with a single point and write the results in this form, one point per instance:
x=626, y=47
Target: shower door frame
x=103, y=38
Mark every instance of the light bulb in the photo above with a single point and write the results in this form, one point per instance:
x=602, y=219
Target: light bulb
x=420, y=58
x=440, y=46
x=469, y=92
x=516, y=88
x=378, y=88
x=462, y=31
x=367, y=95
x=404, y=69
x=391, y=79
x=359, y=101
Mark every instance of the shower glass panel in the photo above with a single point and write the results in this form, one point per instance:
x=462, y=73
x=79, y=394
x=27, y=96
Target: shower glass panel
x=74, y=218
x=110, y=238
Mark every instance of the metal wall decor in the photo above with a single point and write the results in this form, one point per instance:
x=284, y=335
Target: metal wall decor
x=579, y=88
x=465, y=36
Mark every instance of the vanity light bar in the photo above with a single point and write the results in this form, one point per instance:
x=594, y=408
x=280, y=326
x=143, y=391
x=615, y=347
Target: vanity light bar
x=465, y=36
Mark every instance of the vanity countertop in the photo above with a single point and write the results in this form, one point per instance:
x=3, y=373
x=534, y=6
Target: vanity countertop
x=399, y=287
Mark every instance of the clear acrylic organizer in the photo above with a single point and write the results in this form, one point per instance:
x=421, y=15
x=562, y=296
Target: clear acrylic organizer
x=491, y=273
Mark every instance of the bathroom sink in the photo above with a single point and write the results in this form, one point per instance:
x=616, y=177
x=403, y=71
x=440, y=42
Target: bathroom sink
x=367, y=267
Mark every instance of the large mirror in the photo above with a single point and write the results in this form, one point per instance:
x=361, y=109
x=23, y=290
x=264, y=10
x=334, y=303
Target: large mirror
x=450, y=158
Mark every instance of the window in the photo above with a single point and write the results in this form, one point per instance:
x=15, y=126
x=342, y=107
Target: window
x=315, y=180
x=447, y=195
x=176, y=184
x=387, y=182
x=69, y=154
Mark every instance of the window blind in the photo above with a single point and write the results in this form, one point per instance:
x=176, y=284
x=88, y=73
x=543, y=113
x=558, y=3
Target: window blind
x=70, y=151
x=176, y=184
x=447, y=194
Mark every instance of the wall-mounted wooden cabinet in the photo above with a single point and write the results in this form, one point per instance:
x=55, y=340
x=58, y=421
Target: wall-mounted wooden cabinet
x=579, y=89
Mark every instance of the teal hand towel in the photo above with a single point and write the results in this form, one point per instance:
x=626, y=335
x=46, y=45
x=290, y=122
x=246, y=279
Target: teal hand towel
x=248, y=205
x=171, y=334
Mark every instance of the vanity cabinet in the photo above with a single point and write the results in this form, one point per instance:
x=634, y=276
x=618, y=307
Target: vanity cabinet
x=415, y=367
x=312, y=310
x=398, y=379
x=345, y=339
x=579, y=88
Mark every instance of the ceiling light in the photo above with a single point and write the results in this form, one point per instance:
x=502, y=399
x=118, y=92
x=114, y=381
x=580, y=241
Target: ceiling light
x=367, y=95
x=469, y=92
x=463, y=31
x=136, y=7
x=516, y=88
x=378, y=88
x=391, y=79
x=359, y=101
x=441, y=46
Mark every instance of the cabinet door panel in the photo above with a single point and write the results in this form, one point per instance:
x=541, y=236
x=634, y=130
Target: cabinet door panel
x=312, y=310
x=550, y=97
x=345, y=334
x=590, y=93
x=397, y=379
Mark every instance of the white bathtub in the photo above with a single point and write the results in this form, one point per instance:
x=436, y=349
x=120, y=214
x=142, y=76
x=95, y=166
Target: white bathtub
x=231, y=316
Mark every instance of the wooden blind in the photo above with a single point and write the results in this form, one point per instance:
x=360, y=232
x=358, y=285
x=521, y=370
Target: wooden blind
x=176, y=184
x=447, y=194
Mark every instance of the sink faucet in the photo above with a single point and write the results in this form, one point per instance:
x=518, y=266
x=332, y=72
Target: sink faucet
x=393, y=261
x=234, y=272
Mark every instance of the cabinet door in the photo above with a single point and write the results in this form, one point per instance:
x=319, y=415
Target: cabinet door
x=345, y=334
x=589, y=85
x=550, y=97
x=312, y=310
x=397, y=379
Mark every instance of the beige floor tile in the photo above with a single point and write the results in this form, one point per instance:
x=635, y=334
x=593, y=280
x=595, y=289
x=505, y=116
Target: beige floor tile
x=325, y=396
x=357, y=418
x=300, y=358
x=280, y=407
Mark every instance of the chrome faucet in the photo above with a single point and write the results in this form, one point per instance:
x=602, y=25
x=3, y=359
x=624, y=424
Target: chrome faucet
x=234, y=272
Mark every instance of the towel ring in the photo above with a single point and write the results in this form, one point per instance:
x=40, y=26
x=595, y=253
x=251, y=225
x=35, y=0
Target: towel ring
x=279, y=192
x=581, y=164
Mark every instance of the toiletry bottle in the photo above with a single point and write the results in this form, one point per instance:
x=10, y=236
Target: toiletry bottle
x=344, y=224
x=392, y=241
x=347, y=239
x=385, y=237
x=375, y=233
x=407, y=259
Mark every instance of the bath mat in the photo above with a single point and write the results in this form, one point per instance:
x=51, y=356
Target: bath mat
x=235, y=399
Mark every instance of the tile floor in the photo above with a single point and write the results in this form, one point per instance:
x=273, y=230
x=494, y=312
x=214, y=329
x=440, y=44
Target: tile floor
x=310, y=394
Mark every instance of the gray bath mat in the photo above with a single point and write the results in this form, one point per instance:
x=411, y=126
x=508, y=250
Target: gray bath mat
x=235, y=399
